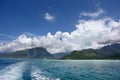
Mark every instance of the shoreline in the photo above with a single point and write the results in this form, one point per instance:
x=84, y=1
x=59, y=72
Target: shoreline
x=57, y=59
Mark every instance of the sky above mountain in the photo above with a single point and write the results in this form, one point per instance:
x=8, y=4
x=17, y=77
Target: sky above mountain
x=58, y=25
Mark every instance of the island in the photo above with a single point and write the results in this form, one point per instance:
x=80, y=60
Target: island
x=38, y=52
x=107, y=52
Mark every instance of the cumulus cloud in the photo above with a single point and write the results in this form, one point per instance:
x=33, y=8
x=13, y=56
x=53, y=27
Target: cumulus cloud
x=88, y=34
x=94, y=14
x=49, y=17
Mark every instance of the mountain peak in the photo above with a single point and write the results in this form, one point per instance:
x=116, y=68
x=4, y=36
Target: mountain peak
x=37, y=52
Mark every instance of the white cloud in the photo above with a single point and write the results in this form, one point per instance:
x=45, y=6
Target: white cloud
x=94, y=14
x=88, y=34
x=2, y=44
x=49, y=17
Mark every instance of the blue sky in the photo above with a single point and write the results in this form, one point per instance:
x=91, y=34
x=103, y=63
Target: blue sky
x=18, y=16
x=39, y=17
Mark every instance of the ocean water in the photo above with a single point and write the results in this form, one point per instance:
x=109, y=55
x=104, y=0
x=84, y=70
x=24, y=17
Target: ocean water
x=22, y=69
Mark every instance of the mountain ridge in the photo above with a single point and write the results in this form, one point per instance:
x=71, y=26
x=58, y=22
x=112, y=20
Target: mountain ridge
x=107, y=52
x=37, y=52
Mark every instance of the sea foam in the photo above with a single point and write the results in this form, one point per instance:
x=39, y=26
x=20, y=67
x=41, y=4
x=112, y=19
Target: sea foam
x=13, y=72
x=37, y=74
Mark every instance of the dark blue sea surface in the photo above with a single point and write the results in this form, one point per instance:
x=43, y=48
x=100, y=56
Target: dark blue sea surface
x=35, y=69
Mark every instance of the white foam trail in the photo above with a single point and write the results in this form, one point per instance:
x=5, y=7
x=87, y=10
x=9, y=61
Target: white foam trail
x=37, y=74
x=13, y=72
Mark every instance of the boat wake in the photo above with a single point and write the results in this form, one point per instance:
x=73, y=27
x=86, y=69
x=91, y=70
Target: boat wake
x=37, y=74
x=17, y=71
x=13, y=72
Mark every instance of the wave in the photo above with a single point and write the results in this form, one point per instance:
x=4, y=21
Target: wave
x=37, y=74
x=16, y=71
x=13, y=72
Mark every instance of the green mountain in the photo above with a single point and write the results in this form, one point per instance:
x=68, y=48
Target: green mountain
x=59, y=55
x=107, y=52
x=37, y=52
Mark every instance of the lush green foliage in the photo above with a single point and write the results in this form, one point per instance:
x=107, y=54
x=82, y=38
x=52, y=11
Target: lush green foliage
x=107, y=52
x=38, y=52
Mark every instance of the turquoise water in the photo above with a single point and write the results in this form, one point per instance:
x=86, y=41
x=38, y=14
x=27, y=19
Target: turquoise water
x=14, y=69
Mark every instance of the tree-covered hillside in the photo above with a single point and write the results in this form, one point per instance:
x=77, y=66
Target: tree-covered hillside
x=107, y=52
x=38, y=52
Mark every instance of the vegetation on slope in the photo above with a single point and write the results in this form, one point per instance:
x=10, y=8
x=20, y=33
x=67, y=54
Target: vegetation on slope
x=38, y=52
x=107, y=52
